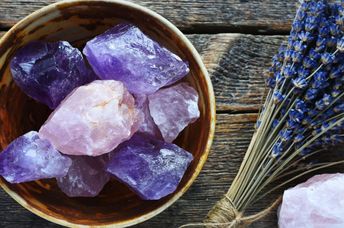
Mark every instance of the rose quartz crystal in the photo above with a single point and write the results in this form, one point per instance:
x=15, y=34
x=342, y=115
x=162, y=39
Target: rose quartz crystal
x=317, y=203
x=173, y=109
x=93, y=120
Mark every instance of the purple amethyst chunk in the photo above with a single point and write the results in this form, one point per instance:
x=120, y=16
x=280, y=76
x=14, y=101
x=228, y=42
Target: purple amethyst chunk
x=150, y=167
x=86, y=177
x=126, y=54
x=173, y=109
x=148, y=126
x=30, y=158
x=48, y=72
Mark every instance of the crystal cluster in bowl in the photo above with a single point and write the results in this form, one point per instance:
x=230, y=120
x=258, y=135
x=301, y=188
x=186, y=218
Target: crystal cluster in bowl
x=117, y=108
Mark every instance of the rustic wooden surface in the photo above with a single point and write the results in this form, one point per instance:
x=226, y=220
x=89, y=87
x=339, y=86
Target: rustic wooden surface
x=236, y=39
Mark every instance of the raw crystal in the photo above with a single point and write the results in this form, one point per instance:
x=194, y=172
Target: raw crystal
x=126, y=54
x=148, y=126
x=93, y=120
x=86, y=177
x=30, y=158
x=319, y=202
x=48, y=72
x=173, y=109
x=150, y=167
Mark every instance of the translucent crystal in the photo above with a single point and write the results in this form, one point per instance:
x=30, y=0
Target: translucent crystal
x=93, y=120
x=86, y=177
x=126, y=54
x=319, y=202
x=150, y=167
x=48, y=72
x=30, y=158
x=173, y=109
x=148, y=126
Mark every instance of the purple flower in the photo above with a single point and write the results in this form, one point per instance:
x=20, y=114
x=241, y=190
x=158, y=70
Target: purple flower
x=309, y=63
x=311, y=94
x=340, y=44
x=327, y=58
x=300, y=83
x=299, y=138
x=286, y=135
x=278, y=97
x=296, y=116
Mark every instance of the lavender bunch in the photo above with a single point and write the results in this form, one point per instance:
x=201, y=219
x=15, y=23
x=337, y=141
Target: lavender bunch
x=302, y=114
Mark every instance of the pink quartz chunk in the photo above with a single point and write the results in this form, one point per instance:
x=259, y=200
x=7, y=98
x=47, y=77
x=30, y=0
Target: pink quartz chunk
x=93, y=120
x=317, y=203
x=173, y=109
x=86, y=177
x=148, y=126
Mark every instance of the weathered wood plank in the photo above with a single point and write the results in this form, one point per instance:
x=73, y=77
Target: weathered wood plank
x=233, y=134
x=198, y=15
x=236, y=63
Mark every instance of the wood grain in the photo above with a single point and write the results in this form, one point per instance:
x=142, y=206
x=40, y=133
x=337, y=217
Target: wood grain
x=201, y=16
x=236, y=63
x=233, y=134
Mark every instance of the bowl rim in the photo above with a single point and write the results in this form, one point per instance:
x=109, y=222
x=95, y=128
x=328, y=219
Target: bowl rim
x=211, y=97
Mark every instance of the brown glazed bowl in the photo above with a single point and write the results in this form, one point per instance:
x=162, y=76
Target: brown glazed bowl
x=77, y=22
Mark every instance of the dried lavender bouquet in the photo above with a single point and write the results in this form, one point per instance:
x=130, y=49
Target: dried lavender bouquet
x=303, y=112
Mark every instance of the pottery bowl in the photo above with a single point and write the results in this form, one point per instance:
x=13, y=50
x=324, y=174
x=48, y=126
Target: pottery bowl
x=77, y=22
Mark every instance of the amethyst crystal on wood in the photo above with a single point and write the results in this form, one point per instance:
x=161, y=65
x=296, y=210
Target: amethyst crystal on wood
x=173, y=109
x=150, y=167
x=48, y=72
x=126, y=54
x=86, y=177
x=30, y=158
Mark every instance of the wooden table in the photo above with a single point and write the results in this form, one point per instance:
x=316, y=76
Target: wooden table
x=236, y=39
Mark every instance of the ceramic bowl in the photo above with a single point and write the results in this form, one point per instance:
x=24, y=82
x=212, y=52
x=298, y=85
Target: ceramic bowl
x=77, y=22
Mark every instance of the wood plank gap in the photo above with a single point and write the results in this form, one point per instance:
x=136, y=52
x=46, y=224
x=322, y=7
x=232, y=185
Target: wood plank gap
x=239, y=112
x=247, y=30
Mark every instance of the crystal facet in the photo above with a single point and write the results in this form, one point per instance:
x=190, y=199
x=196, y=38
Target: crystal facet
x=93, y=120
x=150, y=167
x=30, y=158
x=126, y=54
x=148, y=126
x=86, y=177
x=173, y=109
x=319, y=202
x=48, y=72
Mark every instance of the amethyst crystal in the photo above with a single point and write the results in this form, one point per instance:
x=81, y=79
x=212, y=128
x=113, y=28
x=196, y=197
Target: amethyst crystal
x=126, y=54
x=30, y=158
x=148, y=126
x=150, y=167
x=173, y=109
x=48, y=72
x=86, y=177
